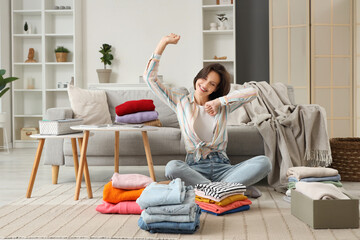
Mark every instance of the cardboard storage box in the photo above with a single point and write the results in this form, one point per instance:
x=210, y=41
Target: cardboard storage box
x=27, y=131
x=336, y=213
x=58, y=127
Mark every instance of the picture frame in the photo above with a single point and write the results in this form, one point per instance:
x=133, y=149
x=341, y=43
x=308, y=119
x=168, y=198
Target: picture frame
x=224, y=2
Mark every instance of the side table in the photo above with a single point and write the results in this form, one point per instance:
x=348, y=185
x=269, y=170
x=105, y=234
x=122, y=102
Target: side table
x=116, y=129
x=55, y=172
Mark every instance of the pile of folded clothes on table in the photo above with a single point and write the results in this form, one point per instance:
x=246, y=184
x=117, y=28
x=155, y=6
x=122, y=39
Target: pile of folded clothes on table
x=169, y=208
x=311, y=175
x=221, y=198
x=137, y=112
x=121, y=193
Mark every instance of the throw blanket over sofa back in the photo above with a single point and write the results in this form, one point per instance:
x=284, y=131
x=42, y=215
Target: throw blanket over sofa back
x=294, y=135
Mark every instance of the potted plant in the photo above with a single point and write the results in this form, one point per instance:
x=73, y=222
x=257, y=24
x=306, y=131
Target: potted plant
x=61, y=54
x=3, y=90
x=107, y=57
x=222, y=18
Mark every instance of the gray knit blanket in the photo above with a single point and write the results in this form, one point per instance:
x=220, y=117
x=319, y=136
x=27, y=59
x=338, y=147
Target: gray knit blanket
x=294, y=135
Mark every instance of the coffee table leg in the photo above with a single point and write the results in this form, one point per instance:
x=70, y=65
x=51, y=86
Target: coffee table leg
x=148, y=155
x=35, y=167
x=82, y=164
x=116, y=152
x=86, y=173
x=55, y=173
x=75, y=156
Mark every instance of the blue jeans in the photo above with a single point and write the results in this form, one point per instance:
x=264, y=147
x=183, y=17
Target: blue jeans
x=216, y=167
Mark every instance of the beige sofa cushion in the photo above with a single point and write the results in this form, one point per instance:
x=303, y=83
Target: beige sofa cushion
x=89, y=105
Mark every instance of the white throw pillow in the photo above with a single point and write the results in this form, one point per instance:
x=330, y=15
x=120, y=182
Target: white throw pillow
x=239, y=116
x=89, y=105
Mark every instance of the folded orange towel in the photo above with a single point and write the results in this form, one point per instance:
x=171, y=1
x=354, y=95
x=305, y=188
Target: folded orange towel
x=116, y=195
x=224, y=202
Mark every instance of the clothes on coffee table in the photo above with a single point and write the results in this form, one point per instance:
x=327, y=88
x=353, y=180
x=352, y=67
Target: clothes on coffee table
x=130, y=181
x=169, y=208
x=172, y=227
x=220, y=189
x=239, y=209
x=139, y=117
x=135, y=106
x=320, y=191
x=126, y=207
x=305, y=172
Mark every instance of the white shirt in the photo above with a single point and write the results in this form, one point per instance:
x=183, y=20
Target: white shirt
x=204, y=125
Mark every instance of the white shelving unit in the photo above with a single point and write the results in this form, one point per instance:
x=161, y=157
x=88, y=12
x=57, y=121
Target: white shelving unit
x=50, y=28
x=219, y=43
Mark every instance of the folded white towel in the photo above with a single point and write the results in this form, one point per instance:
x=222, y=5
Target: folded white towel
x=304, y=172
x=320, y=191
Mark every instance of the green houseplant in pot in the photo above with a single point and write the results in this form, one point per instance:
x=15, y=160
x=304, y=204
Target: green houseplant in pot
x=107, y=57
x=61, y=54
x=3, y=90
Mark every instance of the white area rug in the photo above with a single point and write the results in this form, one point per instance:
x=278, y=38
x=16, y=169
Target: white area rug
x=51, y=212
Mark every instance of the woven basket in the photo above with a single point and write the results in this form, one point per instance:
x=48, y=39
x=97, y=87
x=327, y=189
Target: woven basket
x=346, y=158
x=61, y=57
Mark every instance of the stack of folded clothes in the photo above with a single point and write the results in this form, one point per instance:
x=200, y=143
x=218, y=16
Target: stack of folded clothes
x=121, y=193
x=311, y=174
x=137, y=111
x=221, y=198
x=169, y=208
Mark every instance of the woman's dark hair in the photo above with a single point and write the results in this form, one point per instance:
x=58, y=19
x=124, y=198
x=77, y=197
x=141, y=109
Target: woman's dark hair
x=224, y=86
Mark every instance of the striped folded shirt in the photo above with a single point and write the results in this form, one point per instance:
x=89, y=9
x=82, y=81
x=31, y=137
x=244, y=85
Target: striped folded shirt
x=220, y=189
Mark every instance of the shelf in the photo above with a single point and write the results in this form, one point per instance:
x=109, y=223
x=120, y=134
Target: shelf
x=218, y=7
x=28, y=64
x=58, y=35
x=28, y=12
x=27, y=35
x=27, y=90
x=217, y=61
x=28, y=116
x=60, y=11
x=231, y=31
x=59, y=63
x=57, y=90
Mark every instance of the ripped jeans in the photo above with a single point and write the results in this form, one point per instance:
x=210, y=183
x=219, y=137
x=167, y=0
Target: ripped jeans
x=216, y=167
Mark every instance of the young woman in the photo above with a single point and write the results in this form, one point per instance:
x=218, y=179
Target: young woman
x=202, y=118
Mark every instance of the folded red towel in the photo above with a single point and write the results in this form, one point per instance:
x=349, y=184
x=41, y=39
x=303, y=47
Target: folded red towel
x=135, y=106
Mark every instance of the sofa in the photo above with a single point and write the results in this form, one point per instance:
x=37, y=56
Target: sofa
x=166, y=144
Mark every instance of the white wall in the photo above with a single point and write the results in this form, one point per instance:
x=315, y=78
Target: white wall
x=133, y=28
x=5, y=101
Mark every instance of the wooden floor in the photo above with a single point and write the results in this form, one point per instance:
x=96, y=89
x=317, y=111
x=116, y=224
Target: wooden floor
x=16, y=166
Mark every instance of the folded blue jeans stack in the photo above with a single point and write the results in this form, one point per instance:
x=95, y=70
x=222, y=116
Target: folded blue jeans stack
x=169, y=208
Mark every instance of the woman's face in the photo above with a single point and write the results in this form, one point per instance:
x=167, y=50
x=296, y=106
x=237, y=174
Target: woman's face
x=205, y=87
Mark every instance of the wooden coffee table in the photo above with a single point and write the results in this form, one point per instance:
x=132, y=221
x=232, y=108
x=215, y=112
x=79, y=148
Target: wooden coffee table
x=55, y=170
x=116, y=129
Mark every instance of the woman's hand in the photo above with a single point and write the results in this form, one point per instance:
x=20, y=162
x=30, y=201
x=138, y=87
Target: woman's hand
x=212, y=107
x=169, y=39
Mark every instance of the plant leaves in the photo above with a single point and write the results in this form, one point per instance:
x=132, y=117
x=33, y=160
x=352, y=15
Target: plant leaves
x=4, y=91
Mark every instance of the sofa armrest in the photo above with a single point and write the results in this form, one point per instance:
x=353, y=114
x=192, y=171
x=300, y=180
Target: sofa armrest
x=53, y=153
x=58, y=113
